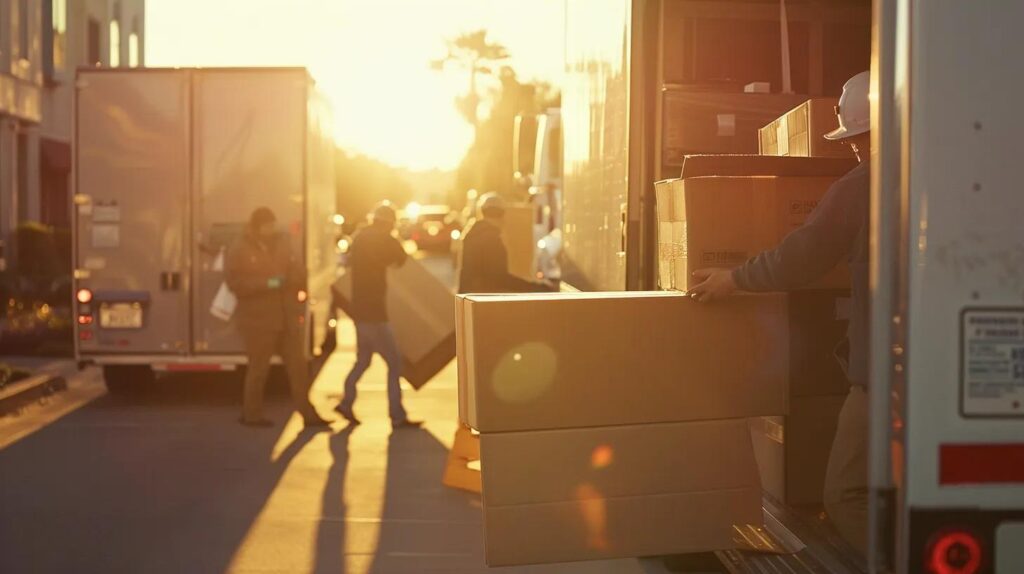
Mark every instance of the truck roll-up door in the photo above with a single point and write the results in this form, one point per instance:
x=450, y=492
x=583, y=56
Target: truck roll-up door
x=132, y=172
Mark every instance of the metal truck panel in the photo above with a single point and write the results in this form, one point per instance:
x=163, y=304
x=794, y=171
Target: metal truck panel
x=597, y=150
x=131, y=180
x=249, y=148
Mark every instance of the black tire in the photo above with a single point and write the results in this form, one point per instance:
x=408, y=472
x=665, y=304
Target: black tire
x=125, y=380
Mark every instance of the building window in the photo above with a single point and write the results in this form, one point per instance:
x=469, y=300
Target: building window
x=133, y=50
x=23, y=31
x=92, y=46
x=115, y=44
x=59, y=29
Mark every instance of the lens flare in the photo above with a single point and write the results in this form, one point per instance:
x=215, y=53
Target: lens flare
x=602, y=457
x=524, y=373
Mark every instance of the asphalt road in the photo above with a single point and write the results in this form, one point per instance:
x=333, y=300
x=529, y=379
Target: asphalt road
x=169, y=482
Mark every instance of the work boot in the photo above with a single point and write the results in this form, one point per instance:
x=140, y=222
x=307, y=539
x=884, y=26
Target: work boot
x=347, y=413
x=406, y=424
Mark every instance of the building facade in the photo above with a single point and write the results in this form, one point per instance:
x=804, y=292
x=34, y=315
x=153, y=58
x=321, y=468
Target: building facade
x=42, y=43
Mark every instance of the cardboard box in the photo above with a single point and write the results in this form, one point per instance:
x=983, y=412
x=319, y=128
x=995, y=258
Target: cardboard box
x=792, y=451
x=737, y=165
x=633, y=460
x=603, y=528
x=727, y=220
x=561, y=360
x=800, y=132
x=715, y=122
x=421, y=310
x=517, y=233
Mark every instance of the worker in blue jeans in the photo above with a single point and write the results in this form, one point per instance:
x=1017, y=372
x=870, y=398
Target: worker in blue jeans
x=373, y=250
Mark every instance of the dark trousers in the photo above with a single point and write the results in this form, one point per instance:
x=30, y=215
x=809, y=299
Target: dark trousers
x=261, y=346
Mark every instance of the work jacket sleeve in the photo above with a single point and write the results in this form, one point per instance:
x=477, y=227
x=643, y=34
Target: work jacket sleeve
x=243, y=278
x=812, y=250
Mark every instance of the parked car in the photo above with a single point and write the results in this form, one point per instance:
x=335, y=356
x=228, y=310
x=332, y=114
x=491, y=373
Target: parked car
x=433, y=228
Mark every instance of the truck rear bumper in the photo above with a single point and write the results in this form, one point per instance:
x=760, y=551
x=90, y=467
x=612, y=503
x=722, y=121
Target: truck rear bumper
x=211, y=363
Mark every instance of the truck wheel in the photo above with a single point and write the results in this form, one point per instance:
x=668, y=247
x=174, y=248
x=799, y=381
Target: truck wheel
x=123, y=380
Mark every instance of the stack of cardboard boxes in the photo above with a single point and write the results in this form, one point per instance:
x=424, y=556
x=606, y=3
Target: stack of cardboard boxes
x=616, y=424
x=800, y=132
x=727, y=209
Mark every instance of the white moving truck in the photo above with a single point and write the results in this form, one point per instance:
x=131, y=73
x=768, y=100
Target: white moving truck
x=168, y=166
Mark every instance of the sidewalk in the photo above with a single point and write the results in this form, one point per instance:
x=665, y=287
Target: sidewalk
x=48, y=376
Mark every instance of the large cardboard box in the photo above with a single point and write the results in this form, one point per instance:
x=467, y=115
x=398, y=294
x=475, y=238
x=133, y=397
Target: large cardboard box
x=517, y=234
x=421, y=310
x=800, y=132
x=559, y=360
x=724, y=221
x=603, y=528
x=792, y=451
x=716, y=122
x=535, y=467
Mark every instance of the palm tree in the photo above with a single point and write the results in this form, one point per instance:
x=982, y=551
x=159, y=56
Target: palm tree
x=473, y=53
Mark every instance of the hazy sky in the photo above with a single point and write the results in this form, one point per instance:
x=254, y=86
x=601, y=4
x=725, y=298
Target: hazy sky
x=369, y=56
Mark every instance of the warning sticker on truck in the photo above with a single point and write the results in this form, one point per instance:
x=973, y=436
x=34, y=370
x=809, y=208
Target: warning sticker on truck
x=992, y=362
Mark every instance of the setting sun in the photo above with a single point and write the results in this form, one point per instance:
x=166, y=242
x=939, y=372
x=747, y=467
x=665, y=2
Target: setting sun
x=370, y=57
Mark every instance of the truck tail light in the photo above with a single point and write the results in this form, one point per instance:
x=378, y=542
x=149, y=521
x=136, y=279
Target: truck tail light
x=85, y=319
x=84, y=296
x=954, y=552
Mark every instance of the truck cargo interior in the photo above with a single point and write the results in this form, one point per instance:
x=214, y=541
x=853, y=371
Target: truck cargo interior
x=650, y=84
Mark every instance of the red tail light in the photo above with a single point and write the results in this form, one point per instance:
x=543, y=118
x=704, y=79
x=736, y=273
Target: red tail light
x=954, y=552
x=84, y=296
x=85, y=319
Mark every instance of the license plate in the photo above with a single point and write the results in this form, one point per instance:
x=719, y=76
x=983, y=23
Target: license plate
x=121, y=316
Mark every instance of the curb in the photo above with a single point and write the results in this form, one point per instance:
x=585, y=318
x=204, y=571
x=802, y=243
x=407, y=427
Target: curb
x=35, y=388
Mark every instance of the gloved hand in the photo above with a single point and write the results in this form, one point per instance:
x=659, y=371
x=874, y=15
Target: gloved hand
x=275, y=282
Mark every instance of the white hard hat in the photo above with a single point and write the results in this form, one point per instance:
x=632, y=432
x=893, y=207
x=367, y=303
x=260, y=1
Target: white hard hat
x=854, y=110
x=490, y=201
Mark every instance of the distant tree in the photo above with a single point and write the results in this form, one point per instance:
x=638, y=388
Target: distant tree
x=473, y=53
x=362, y=182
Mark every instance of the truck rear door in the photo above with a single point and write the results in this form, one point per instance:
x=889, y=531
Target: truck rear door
x=132, y=179
x=249, y=144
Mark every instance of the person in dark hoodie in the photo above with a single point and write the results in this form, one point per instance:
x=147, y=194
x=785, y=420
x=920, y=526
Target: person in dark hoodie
x=483, y=261
x=373, y=250
x=837, y=230
x=263, y=273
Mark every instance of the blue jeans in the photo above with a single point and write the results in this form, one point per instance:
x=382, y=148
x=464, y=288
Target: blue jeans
x=380, y=339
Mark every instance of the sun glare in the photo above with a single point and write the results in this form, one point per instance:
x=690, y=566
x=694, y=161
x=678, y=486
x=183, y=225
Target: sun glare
x=369, y=57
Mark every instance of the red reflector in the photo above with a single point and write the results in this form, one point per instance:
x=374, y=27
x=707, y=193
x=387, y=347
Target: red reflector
x=981, y=464
x=85, y=335
x=955, y=552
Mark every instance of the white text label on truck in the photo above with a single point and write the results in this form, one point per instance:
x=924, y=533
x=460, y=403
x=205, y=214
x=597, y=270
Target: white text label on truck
x=992, y=363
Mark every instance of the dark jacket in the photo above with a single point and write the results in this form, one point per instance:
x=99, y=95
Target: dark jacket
x=373, y=250
x=836, y=230
x=248, y=268
x=484, y=263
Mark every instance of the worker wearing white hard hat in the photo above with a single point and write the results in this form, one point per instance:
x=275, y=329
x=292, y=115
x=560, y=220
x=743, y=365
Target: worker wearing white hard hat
x=483, y=260
x=836, y=232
